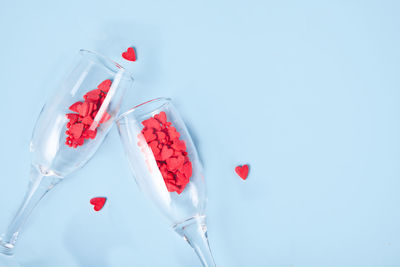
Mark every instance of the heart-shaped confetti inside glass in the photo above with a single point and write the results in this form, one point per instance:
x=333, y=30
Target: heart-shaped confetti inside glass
x=167, y=168
x=69, y=130
x=84, y=122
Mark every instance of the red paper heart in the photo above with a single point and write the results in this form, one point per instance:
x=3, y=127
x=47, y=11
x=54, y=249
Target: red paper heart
x=152, y=124
x=75, y=107
x=72, y=117
x=98, y=202
x=161, y=117
x=105, y=85
x=175, y=163
x=166, y=153
x=105, y=117
x=149, y=135
x=154, y=147
x=93, y=95
x=130, y=54
x=242, y=171
x=161, y=136
x=83, y=109
x=87, y=120
x=173, y=133
x=179, y=145
x=76, y=130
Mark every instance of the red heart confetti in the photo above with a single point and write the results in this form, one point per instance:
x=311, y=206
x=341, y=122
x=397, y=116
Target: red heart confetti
x=105, y=117
x=98, y=202
x=161, y=117
x=93, y=95
x=105, y=85
x=130, y=54
x=242, y=171
x=166, y=153
x=76, y=130
x=81, y=124
x=169, y=151
x=75, y=107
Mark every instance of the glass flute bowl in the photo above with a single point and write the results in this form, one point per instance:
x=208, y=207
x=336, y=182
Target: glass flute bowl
x=52, y=158
x=182, y=201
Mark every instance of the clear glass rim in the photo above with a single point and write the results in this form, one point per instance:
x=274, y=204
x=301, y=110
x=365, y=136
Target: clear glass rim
x=105, y=62
x=163, y=100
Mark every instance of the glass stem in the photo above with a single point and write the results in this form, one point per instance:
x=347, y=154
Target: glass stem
x=194, y=231
x=40, y=183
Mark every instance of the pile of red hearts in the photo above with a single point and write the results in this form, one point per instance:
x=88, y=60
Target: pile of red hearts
x=169, y=152
x=81, y=124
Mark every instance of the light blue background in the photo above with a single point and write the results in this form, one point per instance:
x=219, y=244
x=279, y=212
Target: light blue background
x=306, y=92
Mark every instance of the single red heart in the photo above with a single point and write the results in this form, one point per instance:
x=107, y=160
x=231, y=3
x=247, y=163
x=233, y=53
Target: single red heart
x=149, y=135
x=87, y=120
x=76, y=130
x=98, y=202
x=175, y=163
x=83, y=109
x=154, y=147
x=105, y=117
x=130, y=54
x=242, y=171
x=93, y=95
x=151, y=124
x=161, y=117
x=105, y=85
x=161, y=136
x=173, y=133
x=75, y=107
x=187, y=169
x=179, y=145
x=166, y=153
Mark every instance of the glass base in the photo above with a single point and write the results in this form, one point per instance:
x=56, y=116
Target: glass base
x=6, y=249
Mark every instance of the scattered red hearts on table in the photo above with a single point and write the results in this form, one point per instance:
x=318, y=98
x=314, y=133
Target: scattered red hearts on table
x=98, y=202
x=242, y=171
x=129, y=54
x=169, y=152
x=81, y=124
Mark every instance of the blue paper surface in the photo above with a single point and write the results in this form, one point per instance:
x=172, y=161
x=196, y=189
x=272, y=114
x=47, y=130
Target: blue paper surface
x=306, y=92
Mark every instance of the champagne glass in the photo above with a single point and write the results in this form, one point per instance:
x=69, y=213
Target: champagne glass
x=62, y=141
x=180, y=198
